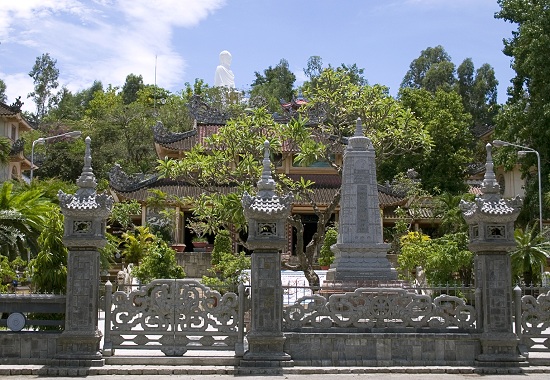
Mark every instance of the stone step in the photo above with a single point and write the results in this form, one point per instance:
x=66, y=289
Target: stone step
x=216, y=361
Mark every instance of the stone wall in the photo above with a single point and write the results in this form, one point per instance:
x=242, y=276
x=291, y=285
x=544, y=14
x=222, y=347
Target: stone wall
x=29, y=347
x=382, y=349
x=195, y=264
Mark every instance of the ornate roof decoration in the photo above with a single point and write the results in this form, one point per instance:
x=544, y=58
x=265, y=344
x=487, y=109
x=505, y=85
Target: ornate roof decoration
x=164, y=136
x=490, y=202
x=205, y=114
x=17, y=147
x=120, y=181
x=266, y=202
x=86, y=197
x=315, y=115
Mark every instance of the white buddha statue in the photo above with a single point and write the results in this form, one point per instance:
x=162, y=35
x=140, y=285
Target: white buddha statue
x=224, y=76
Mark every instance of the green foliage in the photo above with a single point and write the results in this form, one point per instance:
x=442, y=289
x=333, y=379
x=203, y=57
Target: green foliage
x=49, y=268
x=108, y=252
x=443, y=168
x=228, y=273
x=7, y=274
x=45, y=77
x=23, y=215
x=274, y=85
x=159, y=262
x=445, y=260
x=326, y=256
x=3, y=97
x=133, y=84
x=447, y=208
x=525, y=118
x=123, y=211
x=530, y=255
x=137, y=243
x=432, y=70
x=222, y=244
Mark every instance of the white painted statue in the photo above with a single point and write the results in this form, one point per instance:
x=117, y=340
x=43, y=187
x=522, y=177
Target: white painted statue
x=224, y=76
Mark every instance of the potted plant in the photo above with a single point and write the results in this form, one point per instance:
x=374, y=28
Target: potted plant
x=199, y=240
x=326, y=256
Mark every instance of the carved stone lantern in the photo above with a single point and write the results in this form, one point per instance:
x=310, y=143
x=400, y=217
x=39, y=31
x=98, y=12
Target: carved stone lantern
x=85, y=214
x=491, y=224
x=266, y=214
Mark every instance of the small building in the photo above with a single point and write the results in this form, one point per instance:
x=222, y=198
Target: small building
x=12, y=125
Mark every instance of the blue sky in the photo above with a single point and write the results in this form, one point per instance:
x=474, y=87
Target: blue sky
x=108, y=39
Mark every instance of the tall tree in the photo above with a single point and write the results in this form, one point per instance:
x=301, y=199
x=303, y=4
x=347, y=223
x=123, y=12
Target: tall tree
x=133, y=84
x=478, y=91
x=274, y=84
x=45, y=77
x=525, y=118
x=444, y=167
x=3, y=97
x=431, y=70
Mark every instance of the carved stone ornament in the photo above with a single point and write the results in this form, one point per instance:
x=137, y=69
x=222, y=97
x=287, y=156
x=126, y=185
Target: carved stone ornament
x=266, y=212
x=121, y=181
x=490, y=217
x=164, y=136
x=205, y=114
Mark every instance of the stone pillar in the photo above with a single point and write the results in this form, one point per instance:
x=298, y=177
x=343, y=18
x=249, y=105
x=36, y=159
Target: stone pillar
x=85, y=214
x=491, y=229
x=360, y=252
x=266, y=214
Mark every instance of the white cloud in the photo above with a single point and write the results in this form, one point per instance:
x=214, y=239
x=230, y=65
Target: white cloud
x=98, y=39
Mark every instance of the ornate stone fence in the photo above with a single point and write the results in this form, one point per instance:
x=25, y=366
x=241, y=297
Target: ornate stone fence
x=370, y=309
x=173, y=316
x=532, y=319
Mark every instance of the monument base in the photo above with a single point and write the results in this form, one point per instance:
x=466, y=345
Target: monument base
x=357, y=263
x=500, y=348
x=79, y=346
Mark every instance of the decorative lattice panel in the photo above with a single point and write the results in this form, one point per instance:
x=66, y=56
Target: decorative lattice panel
x=535, y=322
x=173, y=316
x=369, y=308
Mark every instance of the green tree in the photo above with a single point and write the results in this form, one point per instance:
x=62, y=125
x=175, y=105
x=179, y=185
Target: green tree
x=159, y=262
x=23, y=216
x=274, y=85
x=443, y=168
x=137, y=243
x=447, y=208
x=445, y=260
x=132, y=85
x=530, y=255
x=45, y=77
x=432, y=70
x=3, y=97
x=525, y=119
x=49, y=268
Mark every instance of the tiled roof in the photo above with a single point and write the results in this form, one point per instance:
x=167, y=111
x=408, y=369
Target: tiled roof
x=323, y=191
x=6, y=110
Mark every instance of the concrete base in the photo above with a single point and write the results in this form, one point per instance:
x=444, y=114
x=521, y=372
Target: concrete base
x=361, y=262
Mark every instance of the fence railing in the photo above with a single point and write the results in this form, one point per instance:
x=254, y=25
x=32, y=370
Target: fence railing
x=174, y=316
x=437, y=309
x=532, y=317
x=36, y=311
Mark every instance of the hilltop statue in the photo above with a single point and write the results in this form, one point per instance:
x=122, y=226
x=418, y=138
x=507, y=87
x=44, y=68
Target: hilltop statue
x=224, y=76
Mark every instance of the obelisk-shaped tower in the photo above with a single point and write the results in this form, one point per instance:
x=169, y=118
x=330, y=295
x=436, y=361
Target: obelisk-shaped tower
x=360, y=252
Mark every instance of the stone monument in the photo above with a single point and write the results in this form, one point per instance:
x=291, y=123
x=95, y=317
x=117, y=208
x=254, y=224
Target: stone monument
x=224, y=77
x=266, y=214
x=360, y=252
x=85, y=214
x=491, y=228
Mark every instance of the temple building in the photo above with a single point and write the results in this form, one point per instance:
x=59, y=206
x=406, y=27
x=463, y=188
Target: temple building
x=207, y=122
